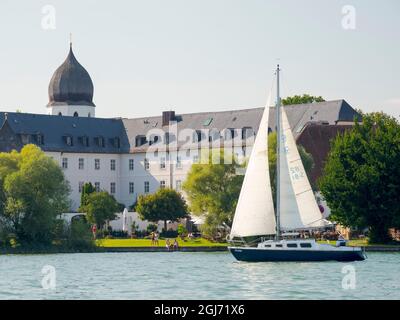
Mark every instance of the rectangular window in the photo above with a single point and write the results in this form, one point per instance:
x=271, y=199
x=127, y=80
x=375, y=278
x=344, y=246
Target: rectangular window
x=162, y=163
x=292, y=245
x=131, y=188
x=69, y=141
x=178, y=162
x=112, y=165
x=131, y=164
x=305, y=245
x=162, y=184
x=229, y=134
x=85, y=141
x=112, y=187
x=65, y=163
x=81, y=163
x=146, y=187
x=196, y=159
x=39, y=139
x=146, y=164
x=97, y=164
x=97, y=186
x=178, y=185
x=80, y=187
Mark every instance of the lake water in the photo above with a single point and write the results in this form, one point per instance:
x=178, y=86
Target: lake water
x=181, y=275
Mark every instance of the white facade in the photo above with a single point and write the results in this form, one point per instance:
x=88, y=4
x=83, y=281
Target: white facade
x=129, y=181
x=72, y=111
x=132, y=217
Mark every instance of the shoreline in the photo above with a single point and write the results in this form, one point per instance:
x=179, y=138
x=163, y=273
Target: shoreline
x=21, y=251
x=223, y=249
x=164, y=249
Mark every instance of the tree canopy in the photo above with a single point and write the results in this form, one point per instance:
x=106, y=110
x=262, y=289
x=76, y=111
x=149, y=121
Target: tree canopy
x=165, y=204
x=87, y=189
x=361, y=180
x=33, y=192
x=305, y=98
x=99, y=207
x=213, y=190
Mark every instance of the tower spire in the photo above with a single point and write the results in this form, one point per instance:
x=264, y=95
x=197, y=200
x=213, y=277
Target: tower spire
x=70, y=40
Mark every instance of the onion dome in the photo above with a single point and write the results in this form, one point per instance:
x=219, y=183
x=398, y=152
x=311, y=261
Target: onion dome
x=71, y=84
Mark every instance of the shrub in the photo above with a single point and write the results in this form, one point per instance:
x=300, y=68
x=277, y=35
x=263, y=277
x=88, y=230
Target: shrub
x=80, y=236
x=152, y=228
x=169, y=234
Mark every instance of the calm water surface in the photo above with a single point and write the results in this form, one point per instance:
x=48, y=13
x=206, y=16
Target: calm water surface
x=181, y=275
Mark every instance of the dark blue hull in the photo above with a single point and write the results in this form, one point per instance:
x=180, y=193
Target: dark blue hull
x=262, y=255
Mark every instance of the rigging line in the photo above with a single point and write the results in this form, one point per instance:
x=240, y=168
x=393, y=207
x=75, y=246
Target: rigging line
x=270, y=91
x=315, y=221
x=297, y=194
x=297, y=159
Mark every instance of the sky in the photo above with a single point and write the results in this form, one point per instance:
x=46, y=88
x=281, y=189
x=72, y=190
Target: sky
x=148, y=56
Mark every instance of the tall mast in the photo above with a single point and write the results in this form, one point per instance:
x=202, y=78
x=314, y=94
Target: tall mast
x=278, y=147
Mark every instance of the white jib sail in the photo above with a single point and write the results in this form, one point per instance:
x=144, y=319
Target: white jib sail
x=254, y=214
x=299, y=209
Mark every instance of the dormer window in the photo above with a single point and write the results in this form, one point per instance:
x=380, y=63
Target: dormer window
x=25, y=138
x=247, y=132
x=39, y=139
x=154, y=139
x=169, y=137
x=68, y=140
x=197, y=136
x=85, y=141
x=101, y=142
x=213, y=135
x=140, y=140
x=117, y=142
x=229, y=133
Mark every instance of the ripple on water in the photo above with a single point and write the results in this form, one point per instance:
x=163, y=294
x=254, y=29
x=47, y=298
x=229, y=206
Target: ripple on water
x=193, y=276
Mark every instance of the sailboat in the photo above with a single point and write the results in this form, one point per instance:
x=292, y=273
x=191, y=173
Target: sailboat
x=276, y=230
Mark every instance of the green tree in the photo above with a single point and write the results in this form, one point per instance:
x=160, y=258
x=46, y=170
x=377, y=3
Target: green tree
x=361, y=180
x=79, y=236
x=33, y=192
x=87, y=189
x=213, y=190
x=100, y=207
x=166, y=204
x=305, y=98
x=306, y=158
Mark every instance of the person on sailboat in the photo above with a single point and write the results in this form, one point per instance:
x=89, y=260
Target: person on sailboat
x=341, y=242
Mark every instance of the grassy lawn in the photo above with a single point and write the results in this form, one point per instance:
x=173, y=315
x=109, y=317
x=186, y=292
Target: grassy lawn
x=358, y=243
x=110, y=243
x=352, y=243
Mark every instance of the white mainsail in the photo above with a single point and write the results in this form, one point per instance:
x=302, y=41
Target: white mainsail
x=299, y=209
x=254, y=214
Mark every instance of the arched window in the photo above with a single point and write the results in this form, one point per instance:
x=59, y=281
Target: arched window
x=76, y=114
x=60, y=114
x=89, y=115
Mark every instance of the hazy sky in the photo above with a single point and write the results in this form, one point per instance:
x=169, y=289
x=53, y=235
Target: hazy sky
x=202, y=55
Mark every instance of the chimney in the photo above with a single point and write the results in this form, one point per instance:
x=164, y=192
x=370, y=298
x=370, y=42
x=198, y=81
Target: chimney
x=167, y=117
